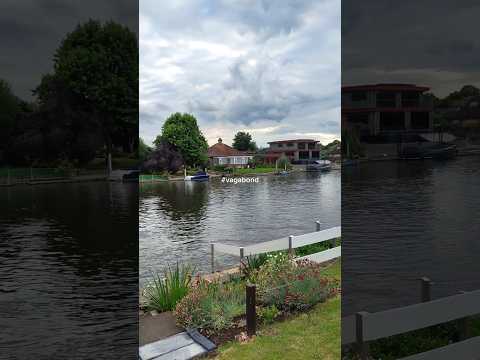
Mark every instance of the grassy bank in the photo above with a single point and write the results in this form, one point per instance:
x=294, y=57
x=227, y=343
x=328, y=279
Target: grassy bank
x=253, y=171
x=311, y=335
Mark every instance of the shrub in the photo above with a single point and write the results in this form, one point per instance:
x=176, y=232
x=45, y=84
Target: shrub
x=250, y=264
x=292, y=286
x=166, y=289
x=268, y=314
x=211, y=306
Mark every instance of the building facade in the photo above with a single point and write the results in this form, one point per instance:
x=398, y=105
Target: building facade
x=222, y=154
x=295, y=150
x=385, y=109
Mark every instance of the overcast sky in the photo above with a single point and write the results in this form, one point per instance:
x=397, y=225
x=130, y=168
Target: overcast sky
x=429, y=42
x=31, y=31
x=268, y=67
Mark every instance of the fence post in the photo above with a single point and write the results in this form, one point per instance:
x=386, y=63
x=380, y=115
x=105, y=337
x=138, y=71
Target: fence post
x=241, y=256
x=212, y=252
x=250, y=309
x=425, y=289
x=463, y=326
x=290, y=246
x=318, y=224
x=363, y=348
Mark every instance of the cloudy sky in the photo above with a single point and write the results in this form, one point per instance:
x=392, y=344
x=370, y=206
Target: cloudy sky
x=429, y=42
x=268, y=67
x=31, y=31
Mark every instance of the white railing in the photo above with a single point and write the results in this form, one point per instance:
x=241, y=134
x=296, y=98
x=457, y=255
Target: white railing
x=364, y=327
x=288, y=243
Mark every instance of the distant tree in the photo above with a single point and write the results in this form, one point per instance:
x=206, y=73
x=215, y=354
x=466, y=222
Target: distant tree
x=181, y=131
x=99, y=63
x=283, y=163
x=143, y=150
x=165, y=157
x=10, y=107
x=243, y=142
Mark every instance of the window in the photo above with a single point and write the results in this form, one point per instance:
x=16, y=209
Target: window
x=289, y=153
x=358, y=96
x=420, y=120
x=303, y=155
x=279, y=145
x=315, y=154
x=289, y=144
x=386, y=99
x=301, y=145
x=311, y=146
x=410, y=99
x=391, y=121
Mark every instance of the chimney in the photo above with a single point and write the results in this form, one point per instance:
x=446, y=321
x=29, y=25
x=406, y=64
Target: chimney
x=219, y=140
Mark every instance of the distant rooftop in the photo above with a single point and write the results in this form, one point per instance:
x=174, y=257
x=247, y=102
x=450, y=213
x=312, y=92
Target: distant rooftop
x=222, y=150
x=386, y=87
x=293, y=141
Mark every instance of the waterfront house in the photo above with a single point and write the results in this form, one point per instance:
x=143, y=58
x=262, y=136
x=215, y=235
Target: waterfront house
x=384, y=110
x=299, y=150
x=222, y=154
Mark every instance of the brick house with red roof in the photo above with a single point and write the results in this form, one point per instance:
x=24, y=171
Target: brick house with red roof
x=222, y=154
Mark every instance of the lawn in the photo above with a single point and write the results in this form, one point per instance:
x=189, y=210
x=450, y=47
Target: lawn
x=252, y=171
x=312, y=335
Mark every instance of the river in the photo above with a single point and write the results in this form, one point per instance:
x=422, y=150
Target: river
x=405, y=220
x=69, y=271
x=179, y=219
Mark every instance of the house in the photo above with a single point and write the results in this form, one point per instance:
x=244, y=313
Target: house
x=295, y=150
x=222, y=154
x=383, y=110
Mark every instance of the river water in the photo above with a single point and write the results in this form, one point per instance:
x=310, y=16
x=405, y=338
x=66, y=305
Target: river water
x=405, y=220
x=178, y=220
x=69, y=271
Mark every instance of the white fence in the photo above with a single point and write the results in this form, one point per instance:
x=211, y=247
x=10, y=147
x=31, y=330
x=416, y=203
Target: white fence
x=288, y=243
x=364, y=327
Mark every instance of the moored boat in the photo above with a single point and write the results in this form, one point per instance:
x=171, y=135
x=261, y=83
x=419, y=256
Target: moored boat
x=198, y=176
x=319, y=165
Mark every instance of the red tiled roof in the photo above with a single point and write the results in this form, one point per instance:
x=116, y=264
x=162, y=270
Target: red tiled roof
x=220, y=149
x=386, y=87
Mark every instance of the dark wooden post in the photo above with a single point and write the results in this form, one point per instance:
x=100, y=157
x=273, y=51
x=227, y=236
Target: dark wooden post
x=425, y=289
x=363, y=348
x=251, y=310
x=212, y=251
x=463, y=326
x=290, y=246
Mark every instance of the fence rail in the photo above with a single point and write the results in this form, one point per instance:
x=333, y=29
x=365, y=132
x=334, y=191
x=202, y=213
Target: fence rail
x=288, y=243
x=364, y=326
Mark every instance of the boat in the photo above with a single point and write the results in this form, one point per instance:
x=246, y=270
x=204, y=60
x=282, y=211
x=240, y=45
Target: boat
x=434, y=151
x=199, y=176
x=319, y=165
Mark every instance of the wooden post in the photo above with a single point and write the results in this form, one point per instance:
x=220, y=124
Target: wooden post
x=319, y=225
x=463, y=326
x=363, y=348
x=212, y=253
x=241, y=256
x=425, y=289
x=250, y=309
x=290, y=246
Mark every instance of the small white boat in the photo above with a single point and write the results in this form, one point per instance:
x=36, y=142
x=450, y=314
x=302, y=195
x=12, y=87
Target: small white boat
x=319, y=165
x=199, y=176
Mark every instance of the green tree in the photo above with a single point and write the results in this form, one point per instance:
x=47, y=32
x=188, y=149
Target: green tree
x=243, y=142
x=143, y=150
x=181, y=130
x=99, y=63
x=10, y=107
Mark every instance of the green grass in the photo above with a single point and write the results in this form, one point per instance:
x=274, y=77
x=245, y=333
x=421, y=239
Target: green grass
x=257, y=170
x=311, y=335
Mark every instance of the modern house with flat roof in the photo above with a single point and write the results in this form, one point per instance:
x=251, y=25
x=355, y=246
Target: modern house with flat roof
x=222, y=154
x=386, y=109
x=294, y=150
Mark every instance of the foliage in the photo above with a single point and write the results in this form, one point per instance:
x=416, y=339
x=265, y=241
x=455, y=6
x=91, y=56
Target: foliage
x=250, y=264
x=181, y=131
x=165, y=157
x=143, y=150
x=352, y=147
x=292, y=286
x=221, y=168
x=284, y=163
x=211, y=306
x=9, y=104
x=268, y=314
x=243, y=142
x=168, y=288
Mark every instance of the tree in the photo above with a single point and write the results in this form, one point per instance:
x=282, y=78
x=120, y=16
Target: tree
x=165, y=157
x=143, y=150
x=181, y=131
x=10, y=107
x=243, y=142
x=99, y=63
